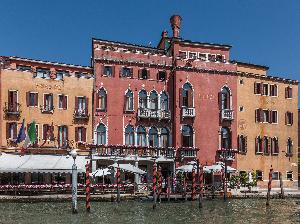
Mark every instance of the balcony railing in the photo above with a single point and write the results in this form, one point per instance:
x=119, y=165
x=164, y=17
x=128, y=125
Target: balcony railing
x=227, y=114
x=165, y=115
x=228, y=154
x=123, y=151
x=148, y=113
x=12, y=109
x=81, y=114
x=187, y=153
x=188, y=112
x=48, y=109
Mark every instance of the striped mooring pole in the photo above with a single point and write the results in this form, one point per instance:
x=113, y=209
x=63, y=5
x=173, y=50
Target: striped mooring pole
x=159, y=183
x=269, y=186
x=200, y=175
x=154, y=185
x=118, y=184
x=193, y=184
x=87, y=188
x=169, y=187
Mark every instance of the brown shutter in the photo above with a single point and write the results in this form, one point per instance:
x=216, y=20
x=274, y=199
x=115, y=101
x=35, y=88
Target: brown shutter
x=52, y=132
x=51, y=101
x=45, y=129
x=28, y=99
x=113, y=71
x=84, y=134
x=76, y=103
x=180, y=97
x=275, y=90
x=76, y=134
x=67, y=133
x=255, y=88
x=256, y=115
x=44, y=101
x=286, y=92
x=7, y=131
x=291, y=92
x=269, y=145
x=246, y=143
x=15, y=100
x=292, y=118
x=261, y=88
x=36, y=99
x=270, y=116
x=220, y=100
x=15, y=130
x=277, y=145
x=261, y=115
x=9, y=99
x=86, y=105
x=286, y=118
x=238, y=142
x=190, y=98
x=256, y=144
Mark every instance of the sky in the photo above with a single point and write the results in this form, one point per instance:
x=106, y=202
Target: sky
x=261, y=32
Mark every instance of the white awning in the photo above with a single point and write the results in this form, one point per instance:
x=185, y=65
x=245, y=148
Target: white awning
x=12, y=163
x=128, y=168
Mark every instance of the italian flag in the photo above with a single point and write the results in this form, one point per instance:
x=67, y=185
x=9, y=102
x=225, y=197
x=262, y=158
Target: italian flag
x=31, y=136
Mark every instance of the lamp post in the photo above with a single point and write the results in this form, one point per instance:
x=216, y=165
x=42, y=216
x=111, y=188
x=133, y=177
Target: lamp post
x=74, y=182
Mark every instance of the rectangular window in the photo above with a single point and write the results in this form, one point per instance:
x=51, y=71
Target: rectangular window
x=274, y=117
x=143, y=74
x=23, y=68
x=289, y=118
x=61, y=74
x=127, y=72
x=48, y=102
x=11, y=130
x=266, y=145
x=183, y=54
x=43, y=73
x=259, y=175
x=274, y=146
x=219, y=58
x=32, y=99
x=48, y=132
x=288, y=92
x=257, y=88
x=162, y=75
x=275, y=175
x=258, y=145
x=242, y=144
x=211, y=57
x=81, y=105
x=62, y=136
x=80, y=134
x=193, y=55
x=108, y=70
x=202, y=57
x=266, y=115
x=289, y=175
x=273, y=90
x=62, y=102
x=265, y=91
x=12, y=101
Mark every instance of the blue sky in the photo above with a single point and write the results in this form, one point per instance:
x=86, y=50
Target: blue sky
x=262, y=32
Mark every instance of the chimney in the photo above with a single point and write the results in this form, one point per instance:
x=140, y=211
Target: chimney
x=175, y=21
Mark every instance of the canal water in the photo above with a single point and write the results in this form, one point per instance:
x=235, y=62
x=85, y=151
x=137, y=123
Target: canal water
x=214, y=211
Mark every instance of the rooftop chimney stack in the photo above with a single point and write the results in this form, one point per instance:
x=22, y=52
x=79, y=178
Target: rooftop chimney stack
x=175, y=21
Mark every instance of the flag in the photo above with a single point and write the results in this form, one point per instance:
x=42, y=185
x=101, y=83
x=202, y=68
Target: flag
x=31, y=135
x=22, y=135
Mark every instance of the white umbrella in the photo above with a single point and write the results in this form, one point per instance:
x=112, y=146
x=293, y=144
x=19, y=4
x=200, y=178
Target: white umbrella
x=218, y=167
x=128, y=168
x=101, y=172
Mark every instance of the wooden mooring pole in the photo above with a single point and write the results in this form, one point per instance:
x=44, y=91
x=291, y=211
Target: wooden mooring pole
x=193, y=184
x=200, y=178
x=87, y=188
x=118, y=184
x=169, y=187
x=159, y=183
x=154, y=185
x=269, y=186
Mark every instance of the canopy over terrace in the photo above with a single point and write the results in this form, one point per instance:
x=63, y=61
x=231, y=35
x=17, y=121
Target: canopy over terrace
x=12, y=163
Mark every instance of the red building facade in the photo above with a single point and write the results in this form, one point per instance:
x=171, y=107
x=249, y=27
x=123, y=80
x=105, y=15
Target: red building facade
x=179, y=96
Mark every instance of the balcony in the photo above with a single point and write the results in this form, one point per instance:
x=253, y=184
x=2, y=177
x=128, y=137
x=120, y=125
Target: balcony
x=228, y=154
x=128, y=151
x=187, y=153
x=81, y=114
x=188, y=112
x=148, y=113
x=227, y=114
x=165, y=115
x=47, y=109
x=12, y=109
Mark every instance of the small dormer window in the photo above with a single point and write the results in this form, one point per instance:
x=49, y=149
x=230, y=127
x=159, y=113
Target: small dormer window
x=212, y=57
x=107, y=70
x=219, y=58
x=127, y=72
x=202, y=57
x=143, y=74
x=193, y=55
x=23, y=68
x=60, y=75
x=43, y=73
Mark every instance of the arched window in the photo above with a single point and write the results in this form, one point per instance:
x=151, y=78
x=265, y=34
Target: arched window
x=153, y=100
x=187, y=136
x=129, y=101
x=141, y=136
x=101, y=134
x=274, y=145
x=225, y=138
x=129, y=135
x=187, y=95
x=164, y=137
x=102, y=99
x=289, y=147
x=224, y=98
x=164, y=101
x=153, y=137
x=142, y=99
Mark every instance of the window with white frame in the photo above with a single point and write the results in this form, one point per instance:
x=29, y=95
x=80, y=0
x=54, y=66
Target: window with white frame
x=242, y=143
x=164, y=137
x=153, y=100
x=265, y=89
x=153, y=137
x=289, y=175
x=101, y=99
x=62, y=102
x=164, y=101
x=275, y=175
x=289, y=147
x=48, y=102
x=288, y=92
x=187, y=136
x=43, y=73
x=141, y=136
x=187, y=95
x=274, y=146
x=129, y=135
x=107, y=70
x=259, y=175
x=101, y=134
x=258, y=145
x=143, y=73
x=289, y=118
x=273, y=90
